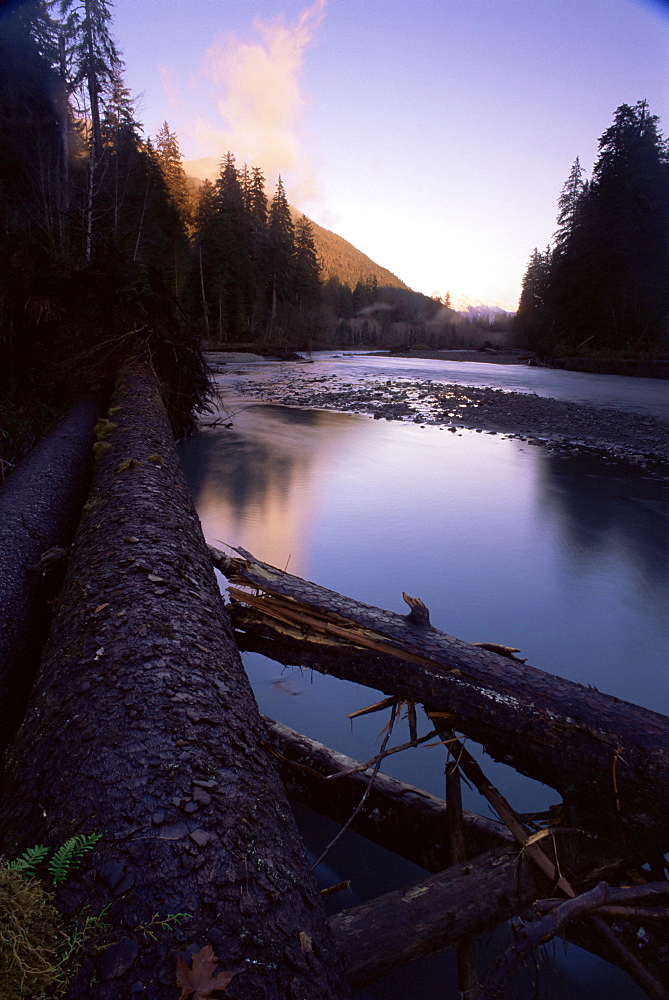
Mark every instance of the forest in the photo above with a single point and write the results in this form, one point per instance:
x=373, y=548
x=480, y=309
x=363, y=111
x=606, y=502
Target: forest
x=602, y=285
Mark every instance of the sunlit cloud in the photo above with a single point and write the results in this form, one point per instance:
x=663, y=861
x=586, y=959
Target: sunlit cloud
x=256, y=105
x=170, y=88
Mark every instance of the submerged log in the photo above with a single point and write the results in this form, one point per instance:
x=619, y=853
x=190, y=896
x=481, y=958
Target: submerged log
x=143, y=727
x=39, y=507
x=398, y=816
x=608, y=756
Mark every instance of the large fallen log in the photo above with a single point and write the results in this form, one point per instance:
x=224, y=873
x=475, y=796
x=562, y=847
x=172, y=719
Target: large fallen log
x=40, y=504
x=414, y=823
x=609, y=757
x=396, y=815
x=143, y=727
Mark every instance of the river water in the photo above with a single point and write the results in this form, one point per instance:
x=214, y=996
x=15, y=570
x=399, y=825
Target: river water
x=562, y=556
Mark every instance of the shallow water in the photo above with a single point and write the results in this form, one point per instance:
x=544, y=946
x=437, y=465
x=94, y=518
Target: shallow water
x=640, y=395
x=504, y=542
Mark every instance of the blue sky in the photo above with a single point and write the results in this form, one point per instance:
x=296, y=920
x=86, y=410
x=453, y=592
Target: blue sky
x=435, y=135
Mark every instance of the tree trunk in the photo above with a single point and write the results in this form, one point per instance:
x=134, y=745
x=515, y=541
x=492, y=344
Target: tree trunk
x=398, y=816
x=39, y=507
x=610, y=757
x=143, y=727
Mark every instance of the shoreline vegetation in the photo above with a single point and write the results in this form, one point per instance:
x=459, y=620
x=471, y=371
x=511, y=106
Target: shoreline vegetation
x=569, y=428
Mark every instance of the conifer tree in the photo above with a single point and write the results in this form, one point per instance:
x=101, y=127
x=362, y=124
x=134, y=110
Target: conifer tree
x=628, y=232
x=307, y=267
x=570, y=204
x=280, y=255
x=170, y=160
x=606, y=283
x=92, y=55
x=533, y=317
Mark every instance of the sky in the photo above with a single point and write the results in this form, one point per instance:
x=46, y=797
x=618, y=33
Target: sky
x=434, y=135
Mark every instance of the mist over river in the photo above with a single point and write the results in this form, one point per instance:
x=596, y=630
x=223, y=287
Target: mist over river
x=563, y=555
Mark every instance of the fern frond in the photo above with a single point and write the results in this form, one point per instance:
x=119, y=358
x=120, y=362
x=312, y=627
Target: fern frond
x=70, y=854
x=29, y=860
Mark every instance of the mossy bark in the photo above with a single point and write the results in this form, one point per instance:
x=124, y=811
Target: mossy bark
x=143, y=727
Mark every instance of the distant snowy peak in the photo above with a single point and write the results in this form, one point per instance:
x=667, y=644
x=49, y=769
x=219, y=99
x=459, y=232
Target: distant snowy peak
x=466, y=305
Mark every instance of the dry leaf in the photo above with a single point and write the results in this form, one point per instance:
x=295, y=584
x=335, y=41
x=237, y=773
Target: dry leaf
x=305, y=942
x=200, y=980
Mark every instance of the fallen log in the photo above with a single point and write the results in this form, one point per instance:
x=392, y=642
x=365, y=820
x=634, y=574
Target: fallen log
x=142, y=727
x=609, y=757
x=40, y=504
x=411, y=923
x=415, y=824
x=398, y=816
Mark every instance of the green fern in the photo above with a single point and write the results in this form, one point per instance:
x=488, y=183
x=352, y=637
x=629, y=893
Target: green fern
x=29, y=860
x=70, y=854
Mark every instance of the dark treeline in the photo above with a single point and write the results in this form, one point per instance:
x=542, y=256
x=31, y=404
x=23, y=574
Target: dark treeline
x=256, y=278
x=93, y=236
x=603, y=286
x=254, y=274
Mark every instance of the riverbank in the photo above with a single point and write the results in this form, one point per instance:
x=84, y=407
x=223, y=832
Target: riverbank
x=639, y=439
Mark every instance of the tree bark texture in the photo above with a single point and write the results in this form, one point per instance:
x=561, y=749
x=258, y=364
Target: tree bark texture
x=143, y=727
x=39, y=507
x=396, y=815
x=608, y=756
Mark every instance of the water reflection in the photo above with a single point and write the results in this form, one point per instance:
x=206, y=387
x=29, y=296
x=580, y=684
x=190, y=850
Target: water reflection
x=256, y=484
x=502, y=541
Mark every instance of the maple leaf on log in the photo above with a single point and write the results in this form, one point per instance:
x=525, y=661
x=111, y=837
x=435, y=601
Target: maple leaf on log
x=199, y=980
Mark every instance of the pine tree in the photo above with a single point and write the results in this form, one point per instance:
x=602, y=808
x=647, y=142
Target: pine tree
x=280, y=254
x=93, y=55
x=628, y=232
x=606, y=284
x=533, y=322
x=169, y=158
x=570, y=204
x=307, y=267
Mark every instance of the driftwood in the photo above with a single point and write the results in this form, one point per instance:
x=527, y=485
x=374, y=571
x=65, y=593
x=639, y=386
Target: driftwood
x=396, y=815
x=560, y=916
x=609, y=757
x=143, y=727
x=40, y=504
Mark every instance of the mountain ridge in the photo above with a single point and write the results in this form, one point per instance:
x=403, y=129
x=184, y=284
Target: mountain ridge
x=347, y=264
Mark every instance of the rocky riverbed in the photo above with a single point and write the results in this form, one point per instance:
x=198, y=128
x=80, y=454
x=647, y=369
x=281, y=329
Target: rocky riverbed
x=560, y=426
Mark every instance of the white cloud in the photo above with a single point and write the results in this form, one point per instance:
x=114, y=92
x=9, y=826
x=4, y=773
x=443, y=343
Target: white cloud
x=255, y=102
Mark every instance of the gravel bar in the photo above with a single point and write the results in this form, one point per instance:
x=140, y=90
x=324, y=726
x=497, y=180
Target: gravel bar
x=635, y=438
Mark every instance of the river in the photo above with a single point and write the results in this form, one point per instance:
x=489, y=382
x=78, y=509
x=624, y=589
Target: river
x=563, y=556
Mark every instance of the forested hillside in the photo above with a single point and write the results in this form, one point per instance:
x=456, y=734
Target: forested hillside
x=603, y=285
x=348, y=265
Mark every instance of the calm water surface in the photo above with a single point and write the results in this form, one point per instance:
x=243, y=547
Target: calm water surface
x=562, y=557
